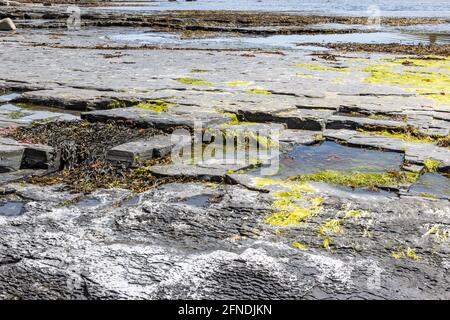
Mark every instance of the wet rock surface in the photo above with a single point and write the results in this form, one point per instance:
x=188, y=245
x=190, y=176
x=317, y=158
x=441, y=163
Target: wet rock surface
x=92, y=207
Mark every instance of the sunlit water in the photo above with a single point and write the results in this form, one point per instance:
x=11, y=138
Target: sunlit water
x=333, y=156
x=276, y=41
x=402, y=8
x=433, y=184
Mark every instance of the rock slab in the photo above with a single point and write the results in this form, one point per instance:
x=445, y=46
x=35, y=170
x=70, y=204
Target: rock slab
x=133, y=153
x=7, y=25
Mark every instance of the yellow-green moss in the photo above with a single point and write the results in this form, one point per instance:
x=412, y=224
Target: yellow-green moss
x=237, y=83
x=431, y=165
x=360, y=179
x=405, y=253
x=194, y=81
x=154, y=105
x=259, y=91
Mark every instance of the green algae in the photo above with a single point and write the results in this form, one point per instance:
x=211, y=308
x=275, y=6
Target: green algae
x=335, y=226
x=194, y=81
x=405, y=253
x=427, y=62
x=353, y=214
x=234, y=119
x=318, y=67
x=288, y=211
x=154, y=105
x=16, y=115
x=431, y=165
x=291, y=213
x=305, y=75
x=360, y=179
x=299, y=245
x=430, y=84
x=199, y=70
x=259, y=91
x=409, y=135
x=116, y=104
x=237, y=83
x=439, y=234
x=331, y=226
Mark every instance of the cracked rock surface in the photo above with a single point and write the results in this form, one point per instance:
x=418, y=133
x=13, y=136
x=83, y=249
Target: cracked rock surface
x=225, y=232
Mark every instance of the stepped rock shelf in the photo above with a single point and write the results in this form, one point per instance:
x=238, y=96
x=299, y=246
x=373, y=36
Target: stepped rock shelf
x=93, y=207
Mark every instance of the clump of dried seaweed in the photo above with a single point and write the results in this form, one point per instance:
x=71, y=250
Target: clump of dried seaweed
x=83, y=147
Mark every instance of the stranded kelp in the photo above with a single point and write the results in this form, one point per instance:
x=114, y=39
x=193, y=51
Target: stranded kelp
x=83, y=147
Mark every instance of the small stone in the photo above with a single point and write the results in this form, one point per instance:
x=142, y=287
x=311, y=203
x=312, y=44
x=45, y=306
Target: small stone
x=132, y=153
x=11, y=157
x=7, y=25
x=38, y=156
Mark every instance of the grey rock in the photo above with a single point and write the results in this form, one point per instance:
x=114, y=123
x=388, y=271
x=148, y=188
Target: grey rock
x=40, y=157
x=353, y=123
x=189, y=171
x=7, y=25
x=159, y=120
x=294, y=136
x=11, y=157
x=298, y=119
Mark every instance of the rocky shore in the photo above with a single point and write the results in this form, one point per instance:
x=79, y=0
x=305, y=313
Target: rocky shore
x=93, y=205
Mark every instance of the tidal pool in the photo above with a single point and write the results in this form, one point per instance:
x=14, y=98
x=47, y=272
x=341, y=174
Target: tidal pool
x=201, y=200
x=333, y=156
x=8, y=97
x=433, y=185
x=88, y=203
x=11, y=208
x=292, y=41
